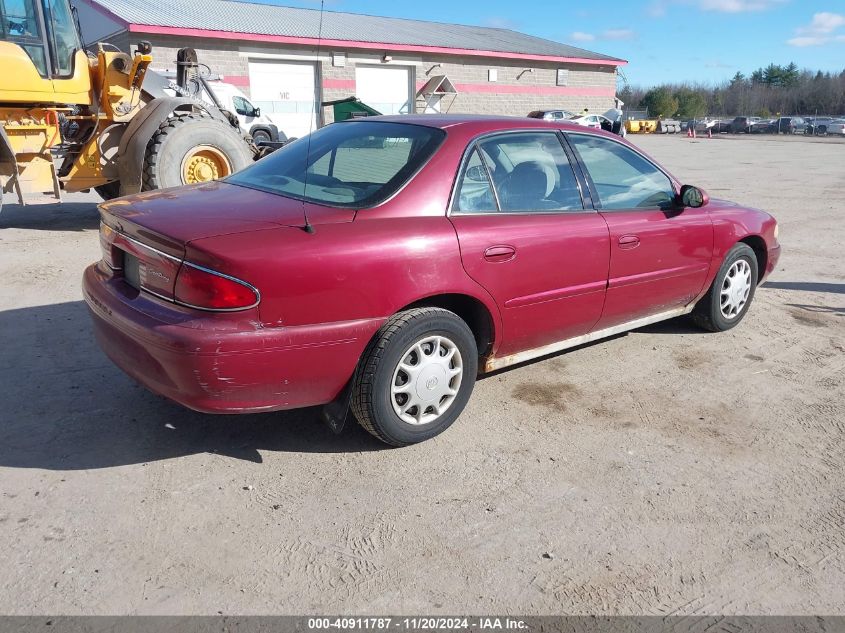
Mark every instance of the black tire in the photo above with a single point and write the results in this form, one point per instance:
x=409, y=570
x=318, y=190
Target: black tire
x=372, y=398
x=109, y=191
x=707, y=313
x=179, y=135
x=261, y=136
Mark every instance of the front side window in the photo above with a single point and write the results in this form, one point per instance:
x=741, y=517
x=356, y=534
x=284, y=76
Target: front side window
x=621, y=177
x=352, y=164
x=19, y=25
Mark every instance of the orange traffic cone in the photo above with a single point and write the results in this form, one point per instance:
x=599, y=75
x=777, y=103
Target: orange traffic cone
x=689, y=131
x=710, y=132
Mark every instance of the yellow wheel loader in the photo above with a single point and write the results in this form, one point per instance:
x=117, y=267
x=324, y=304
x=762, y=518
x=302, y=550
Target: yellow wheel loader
x=73, y=121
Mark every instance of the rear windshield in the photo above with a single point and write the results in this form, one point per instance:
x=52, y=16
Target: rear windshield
x=351, y=164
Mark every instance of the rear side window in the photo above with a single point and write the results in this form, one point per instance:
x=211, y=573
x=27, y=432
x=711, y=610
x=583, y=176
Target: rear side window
x=621, y=177
x=530, y=174
x=353, y=164
x=475, y=193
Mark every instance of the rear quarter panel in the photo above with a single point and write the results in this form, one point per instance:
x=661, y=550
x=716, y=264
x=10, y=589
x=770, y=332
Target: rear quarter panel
x=366, y=269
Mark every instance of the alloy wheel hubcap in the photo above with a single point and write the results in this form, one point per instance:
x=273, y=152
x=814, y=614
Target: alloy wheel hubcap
x=427, y=380
x=736, y=287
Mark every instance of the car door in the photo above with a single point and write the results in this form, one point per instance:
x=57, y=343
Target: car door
x=659, y=253
x=526, y=237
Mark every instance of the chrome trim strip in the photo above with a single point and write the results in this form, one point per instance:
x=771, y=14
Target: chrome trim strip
x=155, y=294
x=494, y=363
x=184, y=262
x=148, y=247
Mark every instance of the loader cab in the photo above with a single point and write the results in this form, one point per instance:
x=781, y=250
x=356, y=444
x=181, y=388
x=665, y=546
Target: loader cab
x=45, y=30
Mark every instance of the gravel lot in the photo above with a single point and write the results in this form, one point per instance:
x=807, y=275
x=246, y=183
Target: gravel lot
x=667, y=471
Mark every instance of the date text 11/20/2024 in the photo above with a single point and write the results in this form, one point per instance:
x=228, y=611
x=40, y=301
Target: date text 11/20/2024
x=418, y=624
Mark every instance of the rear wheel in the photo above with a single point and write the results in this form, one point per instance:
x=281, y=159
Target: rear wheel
x=731, y=292
x=416, y=376
x=193, y=148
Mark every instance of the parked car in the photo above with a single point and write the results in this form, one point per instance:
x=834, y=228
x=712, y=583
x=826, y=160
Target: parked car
x=788, y=125
x=818, y=125
x=837, y=127
x=587, y=120
x=722, y=126
x=763, y=126
x=551, y=115
x=703, y=125
x=387, y=261
x=741, y=124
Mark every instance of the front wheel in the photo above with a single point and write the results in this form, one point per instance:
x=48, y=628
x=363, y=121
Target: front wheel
x=416, y=376
x=731, y=292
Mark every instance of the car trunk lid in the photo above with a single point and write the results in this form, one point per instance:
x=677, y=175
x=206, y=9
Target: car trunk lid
x=143, y=237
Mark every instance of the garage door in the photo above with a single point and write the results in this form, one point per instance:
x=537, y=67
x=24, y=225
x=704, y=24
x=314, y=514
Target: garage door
x=285, y=92
x=385, y=88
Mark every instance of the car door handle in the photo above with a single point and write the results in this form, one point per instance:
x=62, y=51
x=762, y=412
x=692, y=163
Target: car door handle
x=629, y=241
x=499, y=254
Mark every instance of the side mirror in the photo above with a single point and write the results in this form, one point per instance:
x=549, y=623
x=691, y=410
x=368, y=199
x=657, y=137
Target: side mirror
x=256, y=112
x=693, y=197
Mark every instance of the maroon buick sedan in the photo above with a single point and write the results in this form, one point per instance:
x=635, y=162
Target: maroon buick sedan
x=383, y=263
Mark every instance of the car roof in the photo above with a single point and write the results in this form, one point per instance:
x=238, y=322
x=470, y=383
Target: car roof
x=479, y=122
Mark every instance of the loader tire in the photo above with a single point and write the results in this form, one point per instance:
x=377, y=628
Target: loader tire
x=109, y=191
x=193, y=148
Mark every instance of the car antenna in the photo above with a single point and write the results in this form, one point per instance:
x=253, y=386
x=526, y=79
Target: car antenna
x=309, y=228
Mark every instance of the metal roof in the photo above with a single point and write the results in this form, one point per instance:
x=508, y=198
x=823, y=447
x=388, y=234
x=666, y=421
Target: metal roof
x=272, y=20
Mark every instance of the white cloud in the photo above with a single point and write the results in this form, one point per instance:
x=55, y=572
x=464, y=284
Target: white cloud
x=618, y=34
x=737, y=6
x=658, y=8
x=498, y=22
x=820, y=31
x=609, y=34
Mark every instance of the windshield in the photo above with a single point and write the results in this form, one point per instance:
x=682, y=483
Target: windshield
x=19, y=24
x=352, y=164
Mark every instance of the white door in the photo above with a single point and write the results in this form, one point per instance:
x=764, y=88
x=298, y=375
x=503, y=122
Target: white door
x=385, y=88
x=287, y=93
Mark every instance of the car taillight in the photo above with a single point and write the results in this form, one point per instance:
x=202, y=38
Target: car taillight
x=198, y=287
x=110, y=256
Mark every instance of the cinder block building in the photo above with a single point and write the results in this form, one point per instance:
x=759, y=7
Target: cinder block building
x=289, y=59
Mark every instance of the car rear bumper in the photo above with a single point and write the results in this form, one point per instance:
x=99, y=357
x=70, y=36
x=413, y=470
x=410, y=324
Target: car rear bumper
x=221, y=365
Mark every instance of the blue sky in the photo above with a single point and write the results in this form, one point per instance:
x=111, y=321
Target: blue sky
x=664, y=40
